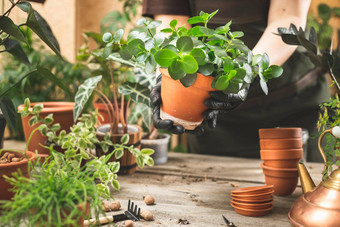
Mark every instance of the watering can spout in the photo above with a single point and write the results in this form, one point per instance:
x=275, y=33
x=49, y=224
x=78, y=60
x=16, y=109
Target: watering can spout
x=307, y=182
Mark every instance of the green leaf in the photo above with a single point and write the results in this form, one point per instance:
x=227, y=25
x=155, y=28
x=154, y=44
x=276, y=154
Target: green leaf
x=125, y=139
x=195, y=20
x=8, y=26
x=150, y=162
x=118, y=35
x=154, y=24
x=184, y=44
x=222, y=82
x=189, y=79
x=107, y=37
x=173, y=23
x=240, y=73
x=115, y=184
x=40, y=27
x=140, y=161
x=276, y=71
x=13, y=47
x=47, y=74
x=158, y=39
x=124, y=52
x=119, y=153
x=134, y=46
x=107, y=50
x=336, y=11
x=9, y=112
x=167, y=30
x=147, y=151
x=324, y=12
x=188, y=64
x=24, y=6
x=4, y=92
x=237, y=34
x=141, y=21
x=137, y=92
x=290, y=39
x=265, y=61
x=207, y=31
x=199, y=55
x=206, y=69
x=212, y=14
x=228, y=65
x=165, y=57
x=83, y=94
x=176, y=71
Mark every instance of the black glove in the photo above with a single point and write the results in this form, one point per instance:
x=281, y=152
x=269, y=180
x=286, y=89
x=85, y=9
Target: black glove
x=156, y=102
x=220, y=103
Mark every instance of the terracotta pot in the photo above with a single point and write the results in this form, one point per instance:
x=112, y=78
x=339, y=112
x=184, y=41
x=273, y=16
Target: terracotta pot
x=184, y=106
x=256, y=201
x=2, y=129
x=102, y=109
x=128, y=164
x=160, y=146
x=280, y=133
x=62, y=114
x=283, y=158
x=284, y=179
x=252, y=212
x=252, y=190
x=290, y=143
x=253, y=206
x=9, y=168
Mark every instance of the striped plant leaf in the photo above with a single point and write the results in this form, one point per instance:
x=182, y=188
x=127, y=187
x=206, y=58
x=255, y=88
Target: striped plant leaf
x=83, y=94
x=143, y=111
x=137, y=92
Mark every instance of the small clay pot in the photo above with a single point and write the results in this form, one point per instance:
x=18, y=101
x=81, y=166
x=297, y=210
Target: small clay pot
x=9, y=168
x=284, y=179
x=253, y=201
x=280, y=133
x=290, y=143
x=253, y=190
x=255, y=206
x=62, y=114
x=252, y=212
x=184, y=105
x=159, y=145
x=128, y=163
x=281, y=158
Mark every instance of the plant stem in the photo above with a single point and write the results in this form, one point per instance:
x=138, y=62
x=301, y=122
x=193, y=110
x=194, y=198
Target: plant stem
x=10, y=9
x=114, y=129
x=333, y=77
x=29, y=138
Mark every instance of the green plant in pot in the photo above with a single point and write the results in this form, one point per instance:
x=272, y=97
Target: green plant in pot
x=11, y=41
x=62, y=190
x=196, y=61
x=117, y=129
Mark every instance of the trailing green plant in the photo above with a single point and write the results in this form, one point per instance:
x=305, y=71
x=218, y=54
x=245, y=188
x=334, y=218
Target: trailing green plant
x=11, y=40
x=185, y=52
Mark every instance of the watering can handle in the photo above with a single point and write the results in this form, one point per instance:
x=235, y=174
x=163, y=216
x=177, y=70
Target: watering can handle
x=335, y=131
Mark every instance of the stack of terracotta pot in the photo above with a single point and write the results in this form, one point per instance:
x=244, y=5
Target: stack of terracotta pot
x=253, y=201
x=281, y=150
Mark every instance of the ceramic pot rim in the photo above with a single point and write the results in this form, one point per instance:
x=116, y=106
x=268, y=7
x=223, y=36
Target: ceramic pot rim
x=251, y=204
x=278, y=169
x=252, y=195
x=163, y=140
x=271, y=199
x=30, y=154
x=53, y=106
x=280, y=154
x=246, y=190
x=132, y=129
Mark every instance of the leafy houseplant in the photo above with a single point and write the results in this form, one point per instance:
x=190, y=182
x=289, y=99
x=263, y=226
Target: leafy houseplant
x=216, y=56
x=11, y=38
x=62, y=190
x=329, y=62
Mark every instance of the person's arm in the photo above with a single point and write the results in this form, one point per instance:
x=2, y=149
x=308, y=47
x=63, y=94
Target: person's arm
x=281, y=14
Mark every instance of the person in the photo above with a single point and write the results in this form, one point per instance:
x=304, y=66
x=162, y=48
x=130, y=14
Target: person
x=293, y=99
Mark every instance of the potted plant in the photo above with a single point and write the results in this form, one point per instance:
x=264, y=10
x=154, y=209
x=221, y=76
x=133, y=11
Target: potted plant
x=62, y=190
x=193, y=62
x=11, y=39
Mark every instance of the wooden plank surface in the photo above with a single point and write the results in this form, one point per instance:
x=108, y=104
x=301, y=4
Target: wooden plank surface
x=196, y=189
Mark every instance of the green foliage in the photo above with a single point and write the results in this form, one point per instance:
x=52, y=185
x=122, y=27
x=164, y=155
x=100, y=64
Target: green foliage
x=323, y=29
x=197, y=50
x=329, y=117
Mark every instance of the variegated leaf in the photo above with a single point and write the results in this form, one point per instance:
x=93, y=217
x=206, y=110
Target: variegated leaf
x=141, y=111
x=137, y=92
x=83, y=94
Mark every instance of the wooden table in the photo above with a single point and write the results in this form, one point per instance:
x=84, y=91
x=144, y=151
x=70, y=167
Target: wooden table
x=196, y=189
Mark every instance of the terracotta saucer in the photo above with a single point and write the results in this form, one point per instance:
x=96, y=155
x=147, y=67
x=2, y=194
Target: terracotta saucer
x=252, y=212
x=262, y=196
x=254, y=206
x=253, y=190
x=253, y=201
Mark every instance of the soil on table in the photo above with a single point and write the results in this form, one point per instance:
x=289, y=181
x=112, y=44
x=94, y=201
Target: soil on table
x=8, y=157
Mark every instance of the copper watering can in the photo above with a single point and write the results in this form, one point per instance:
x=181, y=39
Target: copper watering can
x=318, y=206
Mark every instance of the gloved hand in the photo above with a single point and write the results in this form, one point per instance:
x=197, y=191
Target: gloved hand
x=220, y=103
